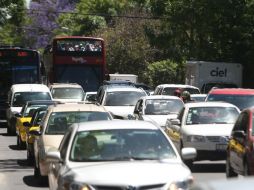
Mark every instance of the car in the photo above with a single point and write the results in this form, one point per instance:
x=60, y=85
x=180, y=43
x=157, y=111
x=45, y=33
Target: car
x=241, y=97
x=67, y=92
x=33, y=125
x=157, y=108
x=119, y=100
x=55, y=123
x=169, y=89
x=145, y=87
x=205, y=126
x=240, y=151
x=198, y=97
x=25, y=115
x=118, y=154
x=18, y=95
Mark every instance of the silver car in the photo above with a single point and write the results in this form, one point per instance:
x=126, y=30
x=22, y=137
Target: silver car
x=118, y=154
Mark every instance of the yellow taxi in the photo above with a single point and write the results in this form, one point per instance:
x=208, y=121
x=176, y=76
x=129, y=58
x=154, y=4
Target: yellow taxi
x=25, y=116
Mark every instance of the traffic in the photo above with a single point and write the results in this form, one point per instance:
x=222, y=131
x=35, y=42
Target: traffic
x=79, y=129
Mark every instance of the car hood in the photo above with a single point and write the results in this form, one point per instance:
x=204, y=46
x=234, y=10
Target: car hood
x=159, y=119
x=208, y=129
x=122, y=111
x=131, y=173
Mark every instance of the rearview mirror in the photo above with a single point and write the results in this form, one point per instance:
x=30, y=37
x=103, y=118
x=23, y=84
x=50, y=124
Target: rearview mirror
x=53, y=156
x=238, y=134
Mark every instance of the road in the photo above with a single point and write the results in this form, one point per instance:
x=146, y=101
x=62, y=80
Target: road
x=15, y=173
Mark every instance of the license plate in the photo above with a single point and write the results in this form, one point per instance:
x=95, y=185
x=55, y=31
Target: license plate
x=221, y=146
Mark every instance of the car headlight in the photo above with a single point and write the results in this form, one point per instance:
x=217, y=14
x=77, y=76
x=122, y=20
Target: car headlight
x=195, y=138
x=181, y=185
x=79, y=186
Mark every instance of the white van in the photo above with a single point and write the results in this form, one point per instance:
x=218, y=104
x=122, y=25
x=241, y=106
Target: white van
x=18, y=95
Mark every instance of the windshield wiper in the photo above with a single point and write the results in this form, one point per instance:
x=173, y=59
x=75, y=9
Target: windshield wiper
x=133, y=158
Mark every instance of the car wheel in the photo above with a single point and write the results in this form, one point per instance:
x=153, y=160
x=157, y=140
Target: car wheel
x=229, y=171
x=30, y=158
x=246, y=169
x=21, y=145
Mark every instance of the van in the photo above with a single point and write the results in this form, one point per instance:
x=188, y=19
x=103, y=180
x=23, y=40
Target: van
x=18, y=95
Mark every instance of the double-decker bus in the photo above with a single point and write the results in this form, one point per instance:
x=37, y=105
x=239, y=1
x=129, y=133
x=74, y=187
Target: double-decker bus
x=75, y=59
x=17, y=66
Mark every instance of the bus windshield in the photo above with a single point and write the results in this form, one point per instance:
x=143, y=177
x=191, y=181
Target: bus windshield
x=87, y=76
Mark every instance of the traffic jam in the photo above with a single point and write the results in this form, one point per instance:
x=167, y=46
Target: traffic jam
x=81, y=132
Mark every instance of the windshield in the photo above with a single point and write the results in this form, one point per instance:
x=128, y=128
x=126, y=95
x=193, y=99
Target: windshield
x=171, y=90
x=88, y=76
x=123, y=98
x=210, y=115
x=241, y=101
x=120, y=144
x=163, y=106
x=59, y=122
x=20, y=98
x=29, y=111
x=68, y=93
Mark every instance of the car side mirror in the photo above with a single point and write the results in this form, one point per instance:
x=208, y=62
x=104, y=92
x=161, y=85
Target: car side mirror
x=239, y=134
x=53, y=156
x=35, y=132
x=175, y=122
x=188, y=153
x=27, y=124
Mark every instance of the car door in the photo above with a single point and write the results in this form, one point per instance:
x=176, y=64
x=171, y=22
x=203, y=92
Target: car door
x=237, y=142
x=57, y=168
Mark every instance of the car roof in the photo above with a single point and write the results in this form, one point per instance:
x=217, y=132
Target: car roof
x=30, y=87
x=198, y=95
x=156, y=97
x=177, y=86
x=114, y=88
x=76, y=107
x=209, y=104
x=42, y=102
x=65, y=85
x=115, y=124
x=232, y=91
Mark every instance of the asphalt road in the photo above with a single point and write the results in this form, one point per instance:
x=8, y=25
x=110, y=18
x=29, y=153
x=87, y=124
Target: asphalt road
x=15, y=173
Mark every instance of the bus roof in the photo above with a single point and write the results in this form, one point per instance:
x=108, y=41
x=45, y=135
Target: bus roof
x=76, y=37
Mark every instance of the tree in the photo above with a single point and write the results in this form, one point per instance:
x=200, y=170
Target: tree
x=12, y=18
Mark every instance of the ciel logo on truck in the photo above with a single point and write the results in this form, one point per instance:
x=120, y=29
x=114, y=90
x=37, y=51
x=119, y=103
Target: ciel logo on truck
x=218, y=73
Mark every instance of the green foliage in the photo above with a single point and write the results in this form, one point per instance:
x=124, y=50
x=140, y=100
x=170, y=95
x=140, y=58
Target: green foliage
x=164, y=72
x=12, y=18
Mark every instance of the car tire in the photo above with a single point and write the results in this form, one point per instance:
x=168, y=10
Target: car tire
x=21, y=145
x=246, y=169
x=229, y=171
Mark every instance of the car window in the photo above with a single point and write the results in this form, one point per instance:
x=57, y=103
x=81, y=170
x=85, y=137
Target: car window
x=210, y=115
x=64, y=145
x=118, y=145
x=123, y=98
x=59, y=122
x=163, y=106
x=241, y=101
x=67, y=93
x=20, y=98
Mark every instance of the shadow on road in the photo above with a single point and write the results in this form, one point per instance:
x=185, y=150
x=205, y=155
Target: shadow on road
x=34, y=182
x=208, y=168
x=13, y=165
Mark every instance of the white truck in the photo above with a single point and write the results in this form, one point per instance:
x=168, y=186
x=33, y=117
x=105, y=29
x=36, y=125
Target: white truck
x=206, y=75
x=125, y=77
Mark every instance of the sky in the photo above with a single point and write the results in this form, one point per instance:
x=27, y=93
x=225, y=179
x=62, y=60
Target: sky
x=27, y=2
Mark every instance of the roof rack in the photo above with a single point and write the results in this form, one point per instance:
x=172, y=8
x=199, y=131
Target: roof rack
x=118, y=82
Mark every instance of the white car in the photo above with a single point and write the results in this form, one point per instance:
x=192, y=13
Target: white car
x=67, y=92
x=18, y=95
x=118, y=154
x=55, y=123
x=169, y=89
x=205, y=126
x=158, y=108
x=198, y=97
x=119, y=100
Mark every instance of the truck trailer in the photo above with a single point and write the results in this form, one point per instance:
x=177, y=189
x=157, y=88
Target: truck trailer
x=206, y=75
